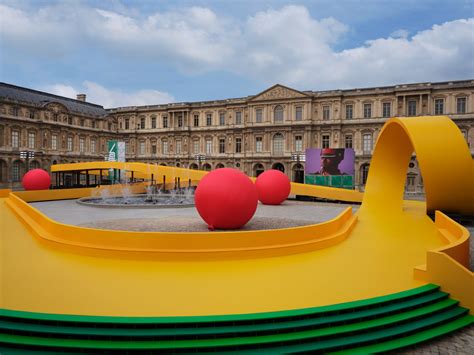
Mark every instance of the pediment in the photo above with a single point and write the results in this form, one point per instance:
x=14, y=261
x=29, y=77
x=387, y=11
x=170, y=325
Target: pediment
x=277, y=92
x=55, y=107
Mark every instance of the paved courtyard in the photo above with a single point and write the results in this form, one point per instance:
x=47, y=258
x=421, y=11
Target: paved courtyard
x=291, y=213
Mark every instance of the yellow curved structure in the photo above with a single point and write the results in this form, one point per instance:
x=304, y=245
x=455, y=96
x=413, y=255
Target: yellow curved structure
x=389, y=245
x=444, y=159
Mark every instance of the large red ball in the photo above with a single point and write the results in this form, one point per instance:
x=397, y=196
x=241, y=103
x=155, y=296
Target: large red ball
x=226, y=199
x=36, y=179
x=273, y=187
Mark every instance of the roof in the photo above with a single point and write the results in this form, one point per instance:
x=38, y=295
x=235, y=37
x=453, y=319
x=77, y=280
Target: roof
x=39, y=98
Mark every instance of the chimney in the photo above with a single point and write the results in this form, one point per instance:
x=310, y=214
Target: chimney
x=81, y=97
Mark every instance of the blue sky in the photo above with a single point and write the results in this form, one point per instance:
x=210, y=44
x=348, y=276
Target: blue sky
x=124, y=53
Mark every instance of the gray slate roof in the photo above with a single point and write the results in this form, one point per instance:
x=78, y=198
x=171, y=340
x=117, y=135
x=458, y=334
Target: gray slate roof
x=39, y=98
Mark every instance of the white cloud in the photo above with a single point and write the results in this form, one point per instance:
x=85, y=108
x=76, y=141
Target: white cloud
x=285, y=45
x=108, y=98
x=400, y=34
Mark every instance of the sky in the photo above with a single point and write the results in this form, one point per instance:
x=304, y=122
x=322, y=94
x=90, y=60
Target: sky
x=127, y=53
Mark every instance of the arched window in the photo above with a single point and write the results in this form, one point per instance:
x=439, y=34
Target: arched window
x=278, y=114
x=258, y=169
x=206, y=167
x=34, y=165
x=364, y=173
x=219, y=166
x=298, y=173
x=279, y=166
x=17, y=171
x=278, y=143
x=193, y=166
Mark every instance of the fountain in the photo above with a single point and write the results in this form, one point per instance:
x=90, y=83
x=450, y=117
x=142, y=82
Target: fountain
x=155, y=196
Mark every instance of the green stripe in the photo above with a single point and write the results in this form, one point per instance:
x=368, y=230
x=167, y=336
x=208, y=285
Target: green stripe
x=265, y=339
x=221, y=318
x=412, y=339
x=137, y=332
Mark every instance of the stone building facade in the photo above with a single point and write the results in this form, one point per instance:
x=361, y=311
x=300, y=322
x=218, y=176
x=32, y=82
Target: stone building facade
x=269, y=130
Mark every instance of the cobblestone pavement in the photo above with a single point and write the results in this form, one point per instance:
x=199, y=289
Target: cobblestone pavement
x=458, y=343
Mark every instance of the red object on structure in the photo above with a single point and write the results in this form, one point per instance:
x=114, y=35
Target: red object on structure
x=36, y=179
x=226, y=199
x=273, y=187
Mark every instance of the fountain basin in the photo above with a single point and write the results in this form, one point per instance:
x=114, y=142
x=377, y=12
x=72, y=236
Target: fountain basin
x=163, y=200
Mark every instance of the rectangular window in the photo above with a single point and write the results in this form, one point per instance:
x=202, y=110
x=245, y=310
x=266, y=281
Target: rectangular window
x=238, y=145
x=326, y=113
x=349, y=112
x=439, y=106
x=153, y=122
x=299, y=113
x=348, y=141
x=55, y=117
x=196, y=121
x=258, y=144
x=208, y=147
x=298, y=143
x=178, y=147
x=32, y=114
x=142, y=123
x=367, y=110
x=367, y=143
x=127, y=123
x=14, y=111
x=16, y=172
x=386, y=109
x=165, y=147
x=325, y=141
x=92, y=145
x=127, y=147
x=196, y=146
x=411, y=109
x=222, y=119
x=238, y=117
x=54, y=142
x=180, y=120
x=81, y=145
x=165, y=121
x=258, y=115
x=461, y=105
x=31, y=140
x=209, y=119
x=81, y=122
x=141, y=148
x=278, y=144
x=69, y=144
x=153, y=149
x=15, y=139
x=222, y=145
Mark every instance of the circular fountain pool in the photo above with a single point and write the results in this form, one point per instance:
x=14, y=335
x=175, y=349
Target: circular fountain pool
x=162, y=200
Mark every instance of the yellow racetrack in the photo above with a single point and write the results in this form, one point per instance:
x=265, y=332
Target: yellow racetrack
x=390, y=245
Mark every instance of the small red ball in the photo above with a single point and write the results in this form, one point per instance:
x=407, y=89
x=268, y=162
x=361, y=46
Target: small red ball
x=226, y=199
x=273, y=187
x=36, y=179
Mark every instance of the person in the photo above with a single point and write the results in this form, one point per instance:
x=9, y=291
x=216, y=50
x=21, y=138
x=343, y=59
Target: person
x=330, y=160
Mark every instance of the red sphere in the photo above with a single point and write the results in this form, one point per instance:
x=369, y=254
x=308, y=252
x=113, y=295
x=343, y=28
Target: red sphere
x=273, y=187
x=36, y=179
x=226, y=199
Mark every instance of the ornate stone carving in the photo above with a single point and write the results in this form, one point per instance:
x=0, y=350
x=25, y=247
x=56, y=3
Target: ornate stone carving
x=279, y=92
